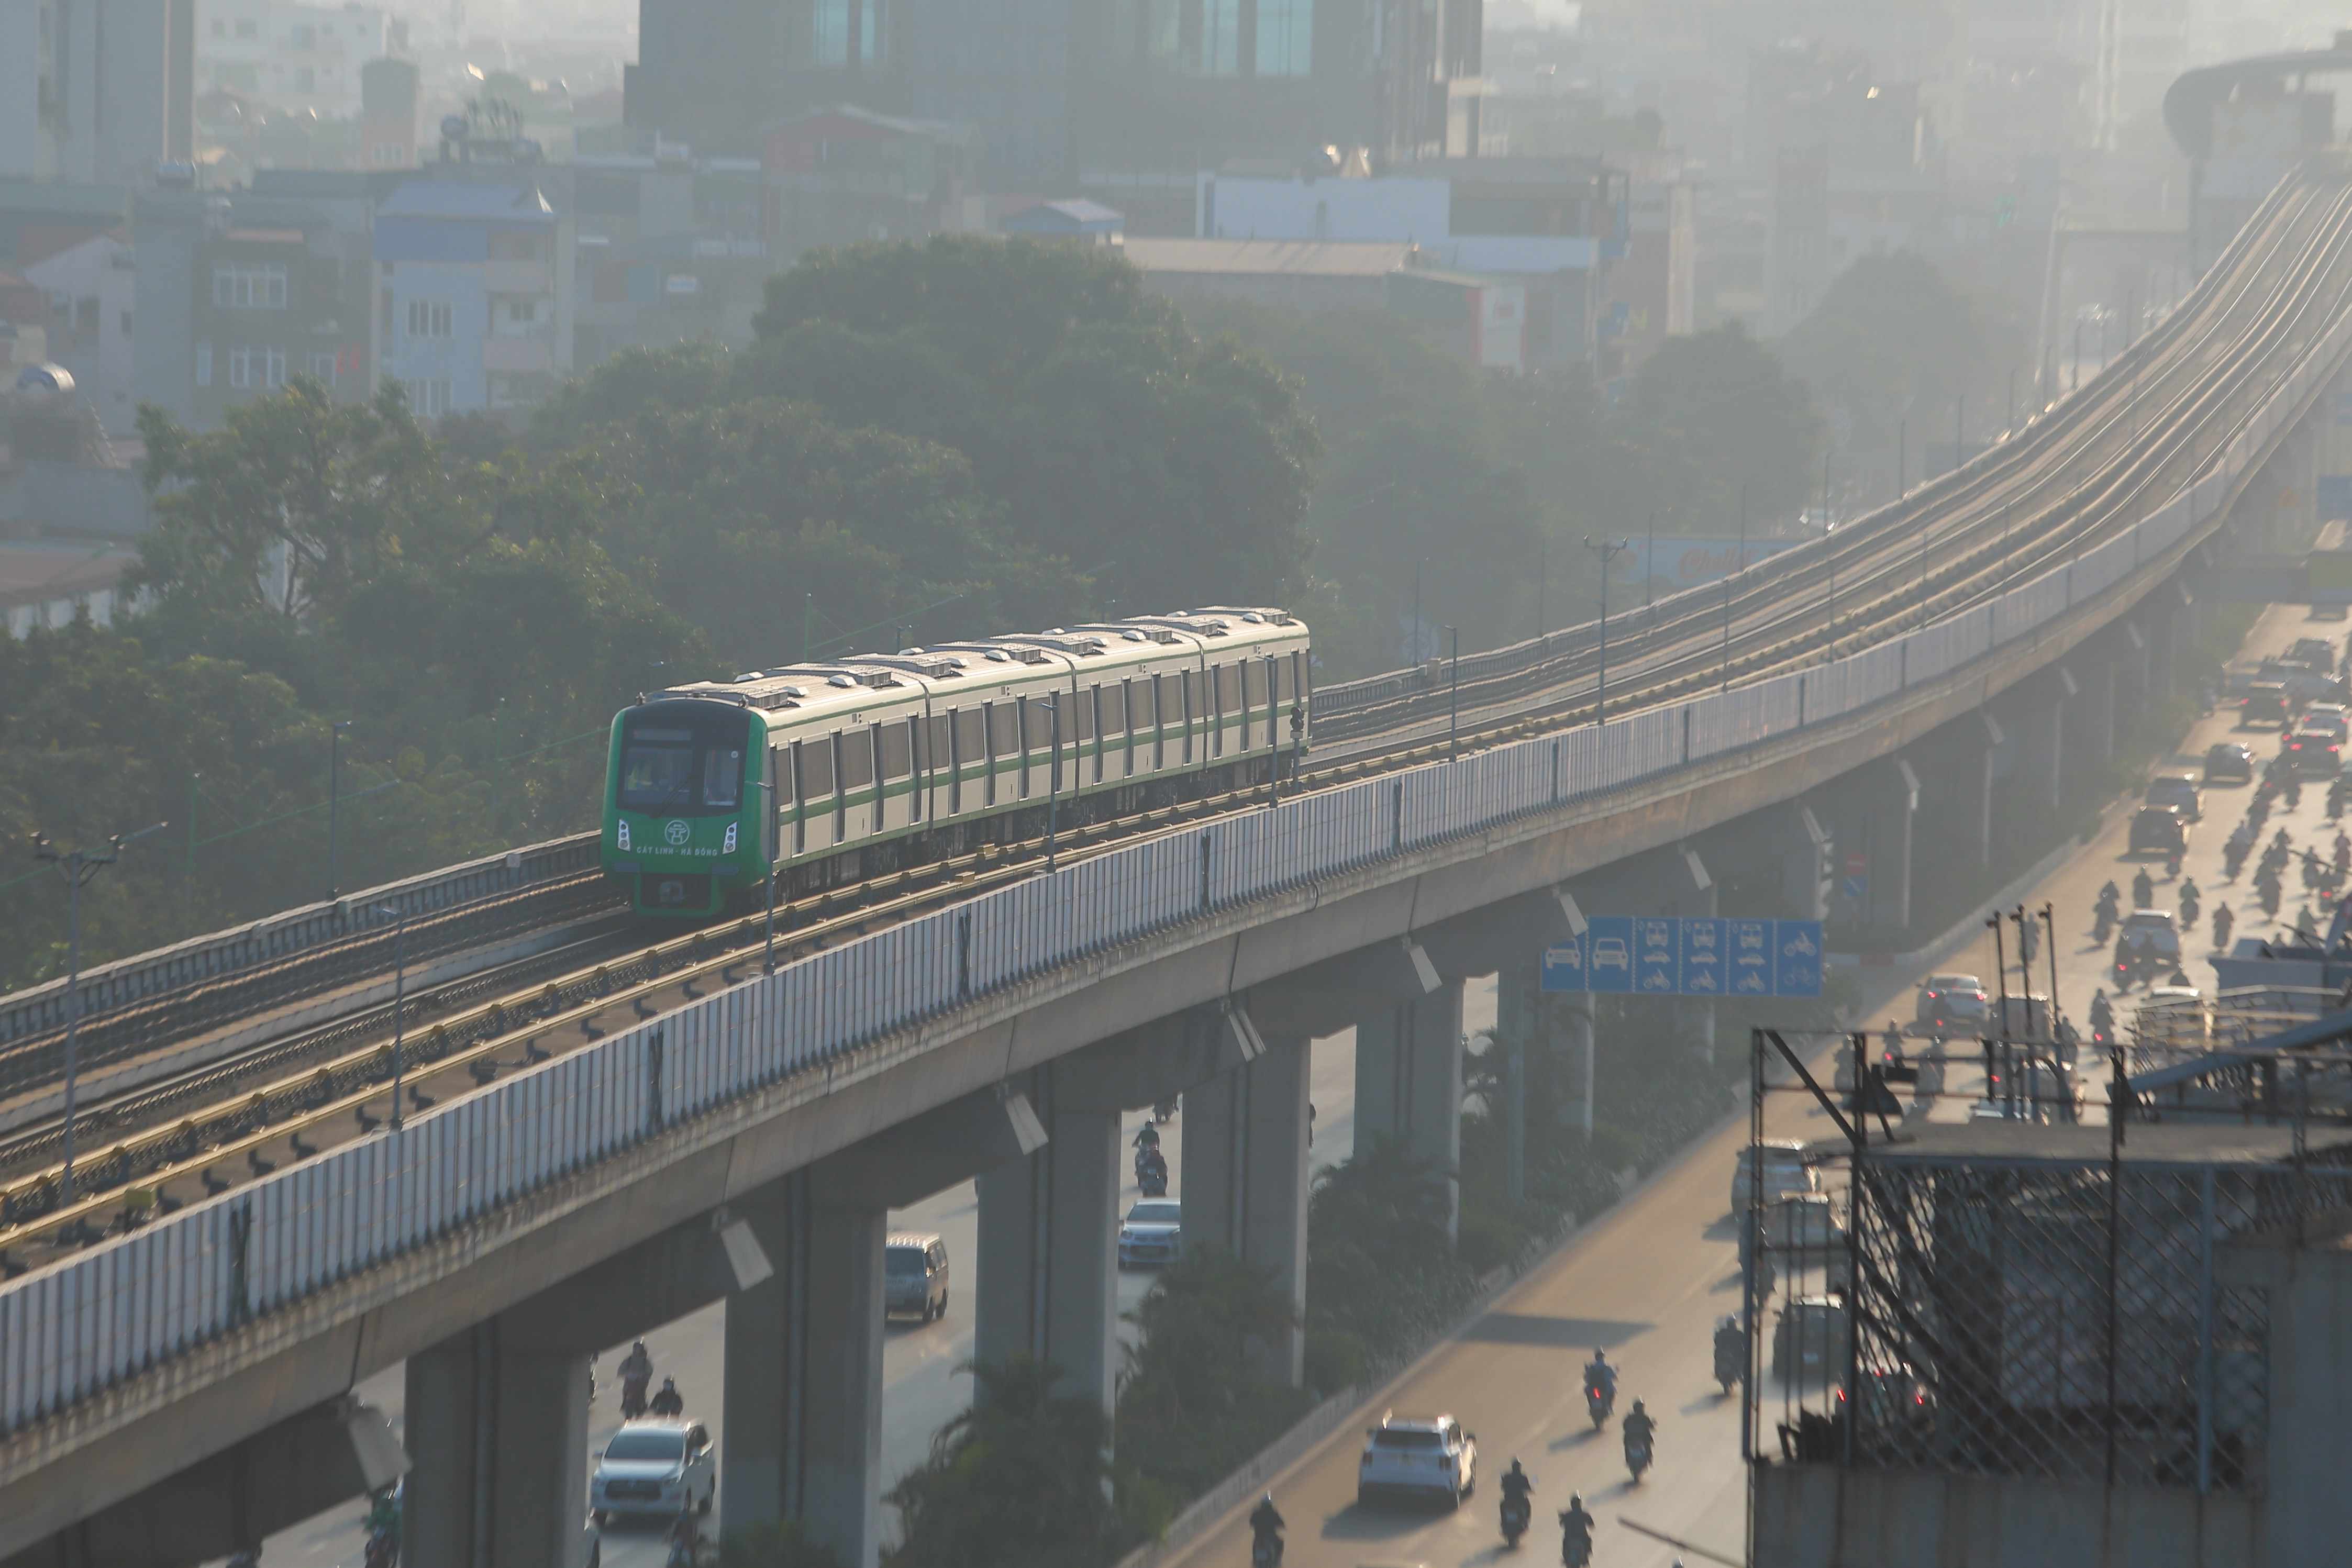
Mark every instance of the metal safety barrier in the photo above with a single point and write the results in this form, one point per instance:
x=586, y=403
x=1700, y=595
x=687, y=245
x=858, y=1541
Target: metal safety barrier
x=76, y=1327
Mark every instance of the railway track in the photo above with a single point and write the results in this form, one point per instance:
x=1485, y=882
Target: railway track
x=2081, y=470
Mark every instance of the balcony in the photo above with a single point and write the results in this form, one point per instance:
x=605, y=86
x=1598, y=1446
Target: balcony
x=511, y=356
x=518, y=277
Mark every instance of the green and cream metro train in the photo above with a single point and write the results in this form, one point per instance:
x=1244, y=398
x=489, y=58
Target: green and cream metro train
x=851, y=767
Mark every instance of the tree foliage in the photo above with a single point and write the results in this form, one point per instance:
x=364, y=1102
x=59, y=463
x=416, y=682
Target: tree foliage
x=945, y=438
x=316, y=563
x=1892, y=341
x=785, y=1545
x=1021, y=1479
x=1191, y=1407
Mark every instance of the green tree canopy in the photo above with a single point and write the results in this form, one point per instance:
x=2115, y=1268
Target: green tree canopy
x=1705, y=417
x=1895, y=340
x=1189, y=1409
x=1020, y=1480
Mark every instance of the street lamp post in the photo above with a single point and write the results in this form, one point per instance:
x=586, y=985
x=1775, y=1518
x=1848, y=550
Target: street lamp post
x=78, y=868
x=1053, y=783
x=768, y=788
x=1454, y=709
x=1737, y=567
x=335, y=794
x=399, y=1005
x=1609, y=553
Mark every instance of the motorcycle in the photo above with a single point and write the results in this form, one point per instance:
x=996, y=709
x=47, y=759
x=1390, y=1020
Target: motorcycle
x=1729, y=1360
x=2189, y=910
x=1151, y=1175
x=382, y=1551
x=1598, y=1402
x=1637, y=1456
x=1575, y=1546
x=2221, y=927
x=1266, y=1552
x=633, y=1396
x=1163, y=1112
x=1516, y=1512
x=2105, y=924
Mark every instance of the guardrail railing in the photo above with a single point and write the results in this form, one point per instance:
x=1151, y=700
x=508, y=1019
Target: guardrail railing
x=75, y=1328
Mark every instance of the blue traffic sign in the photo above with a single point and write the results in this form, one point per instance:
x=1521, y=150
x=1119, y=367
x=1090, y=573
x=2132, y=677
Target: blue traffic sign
x=1659, y=955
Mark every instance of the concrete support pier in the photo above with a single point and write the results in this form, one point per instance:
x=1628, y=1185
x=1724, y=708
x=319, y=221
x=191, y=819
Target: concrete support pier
x=1047, y=1273
x=804, y=1371
x=496, y=1428
x=1409, y=1083
x=1246, y=1175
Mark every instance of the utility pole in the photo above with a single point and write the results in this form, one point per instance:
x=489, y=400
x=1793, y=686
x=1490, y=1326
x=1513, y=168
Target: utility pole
x=334, y=793
x=1416, y=608
x=1737, y=567
x=399, y=1005
x=1902, y=453
x=1609, y=553
x=1827, y=549
x=1454, y=712
x=1543, y=572
x=78, y=868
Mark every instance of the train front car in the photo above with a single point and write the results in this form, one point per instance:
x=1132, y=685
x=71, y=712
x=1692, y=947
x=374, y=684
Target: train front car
x=682, y=804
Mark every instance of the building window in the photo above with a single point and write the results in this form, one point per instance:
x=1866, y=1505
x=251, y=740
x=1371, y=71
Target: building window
x=322, y=369
x=430, y=319
x=848, y=32
x=203, y=363
x=428, y=398
x=1285, y=37
x=250, y=286
x=256, y=370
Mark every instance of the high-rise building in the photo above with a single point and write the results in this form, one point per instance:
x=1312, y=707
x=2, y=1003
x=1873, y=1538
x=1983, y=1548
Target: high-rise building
x=1126, y=101
x=96, y=92
x=291, y=57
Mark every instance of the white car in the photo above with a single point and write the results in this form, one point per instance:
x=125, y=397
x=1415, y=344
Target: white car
x=1153, y=1233
x=655, y=1467
x=1427, y=1458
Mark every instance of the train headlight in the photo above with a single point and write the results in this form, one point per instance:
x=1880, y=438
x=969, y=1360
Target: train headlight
x=624, y=832
x=729, y=848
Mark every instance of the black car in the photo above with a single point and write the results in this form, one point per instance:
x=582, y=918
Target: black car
x=2229, y=760
x=2264, y=703
x=2158, y=828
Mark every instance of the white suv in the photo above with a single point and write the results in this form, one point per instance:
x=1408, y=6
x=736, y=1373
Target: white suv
x=1412, y=1456
x=659, y=1468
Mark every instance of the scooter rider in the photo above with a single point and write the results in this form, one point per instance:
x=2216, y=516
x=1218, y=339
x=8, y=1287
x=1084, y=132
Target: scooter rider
x=1575, y=1533
x=1730, y=1345
x=1149, y=1138
x=637, y=1370
x=1517, y=1483
x=2103, y=1016
x=1265, y=1524
x=1640, y=1429
x=683, y=1537
x=1599, y=1374
x=669, y=1401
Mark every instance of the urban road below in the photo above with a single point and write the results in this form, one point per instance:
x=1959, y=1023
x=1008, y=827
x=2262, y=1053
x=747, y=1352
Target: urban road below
x=1647, y=1281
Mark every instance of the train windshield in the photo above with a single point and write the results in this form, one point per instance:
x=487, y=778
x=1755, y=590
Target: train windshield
x=682, y=764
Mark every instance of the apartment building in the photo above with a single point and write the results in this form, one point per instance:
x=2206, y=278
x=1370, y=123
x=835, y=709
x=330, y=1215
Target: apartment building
x=474, y=294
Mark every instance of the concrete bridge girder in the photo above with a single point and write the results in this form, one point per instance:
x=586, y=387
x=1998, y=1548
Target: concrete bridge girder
x=230, y=1501
x=288, y=1362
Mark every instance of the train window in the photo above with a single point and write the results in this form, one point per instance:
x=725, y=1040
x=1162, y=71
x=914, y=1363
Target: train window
x=656, y=777
x=1003, y=730
x=779, y=774
x=856, y=759
x=1285, y=677
x=1252, y=697
x=897, y=756
x=722, y=778
x=941, y=750
x=972, y=735
x=1110, y=703
x=816, y=770
x=1040, y=725
x=1192, y=706
x=1081, y=721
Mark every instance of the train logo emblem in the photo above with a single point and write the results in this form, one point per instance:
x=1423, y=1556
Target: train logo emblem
x=677, y=833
